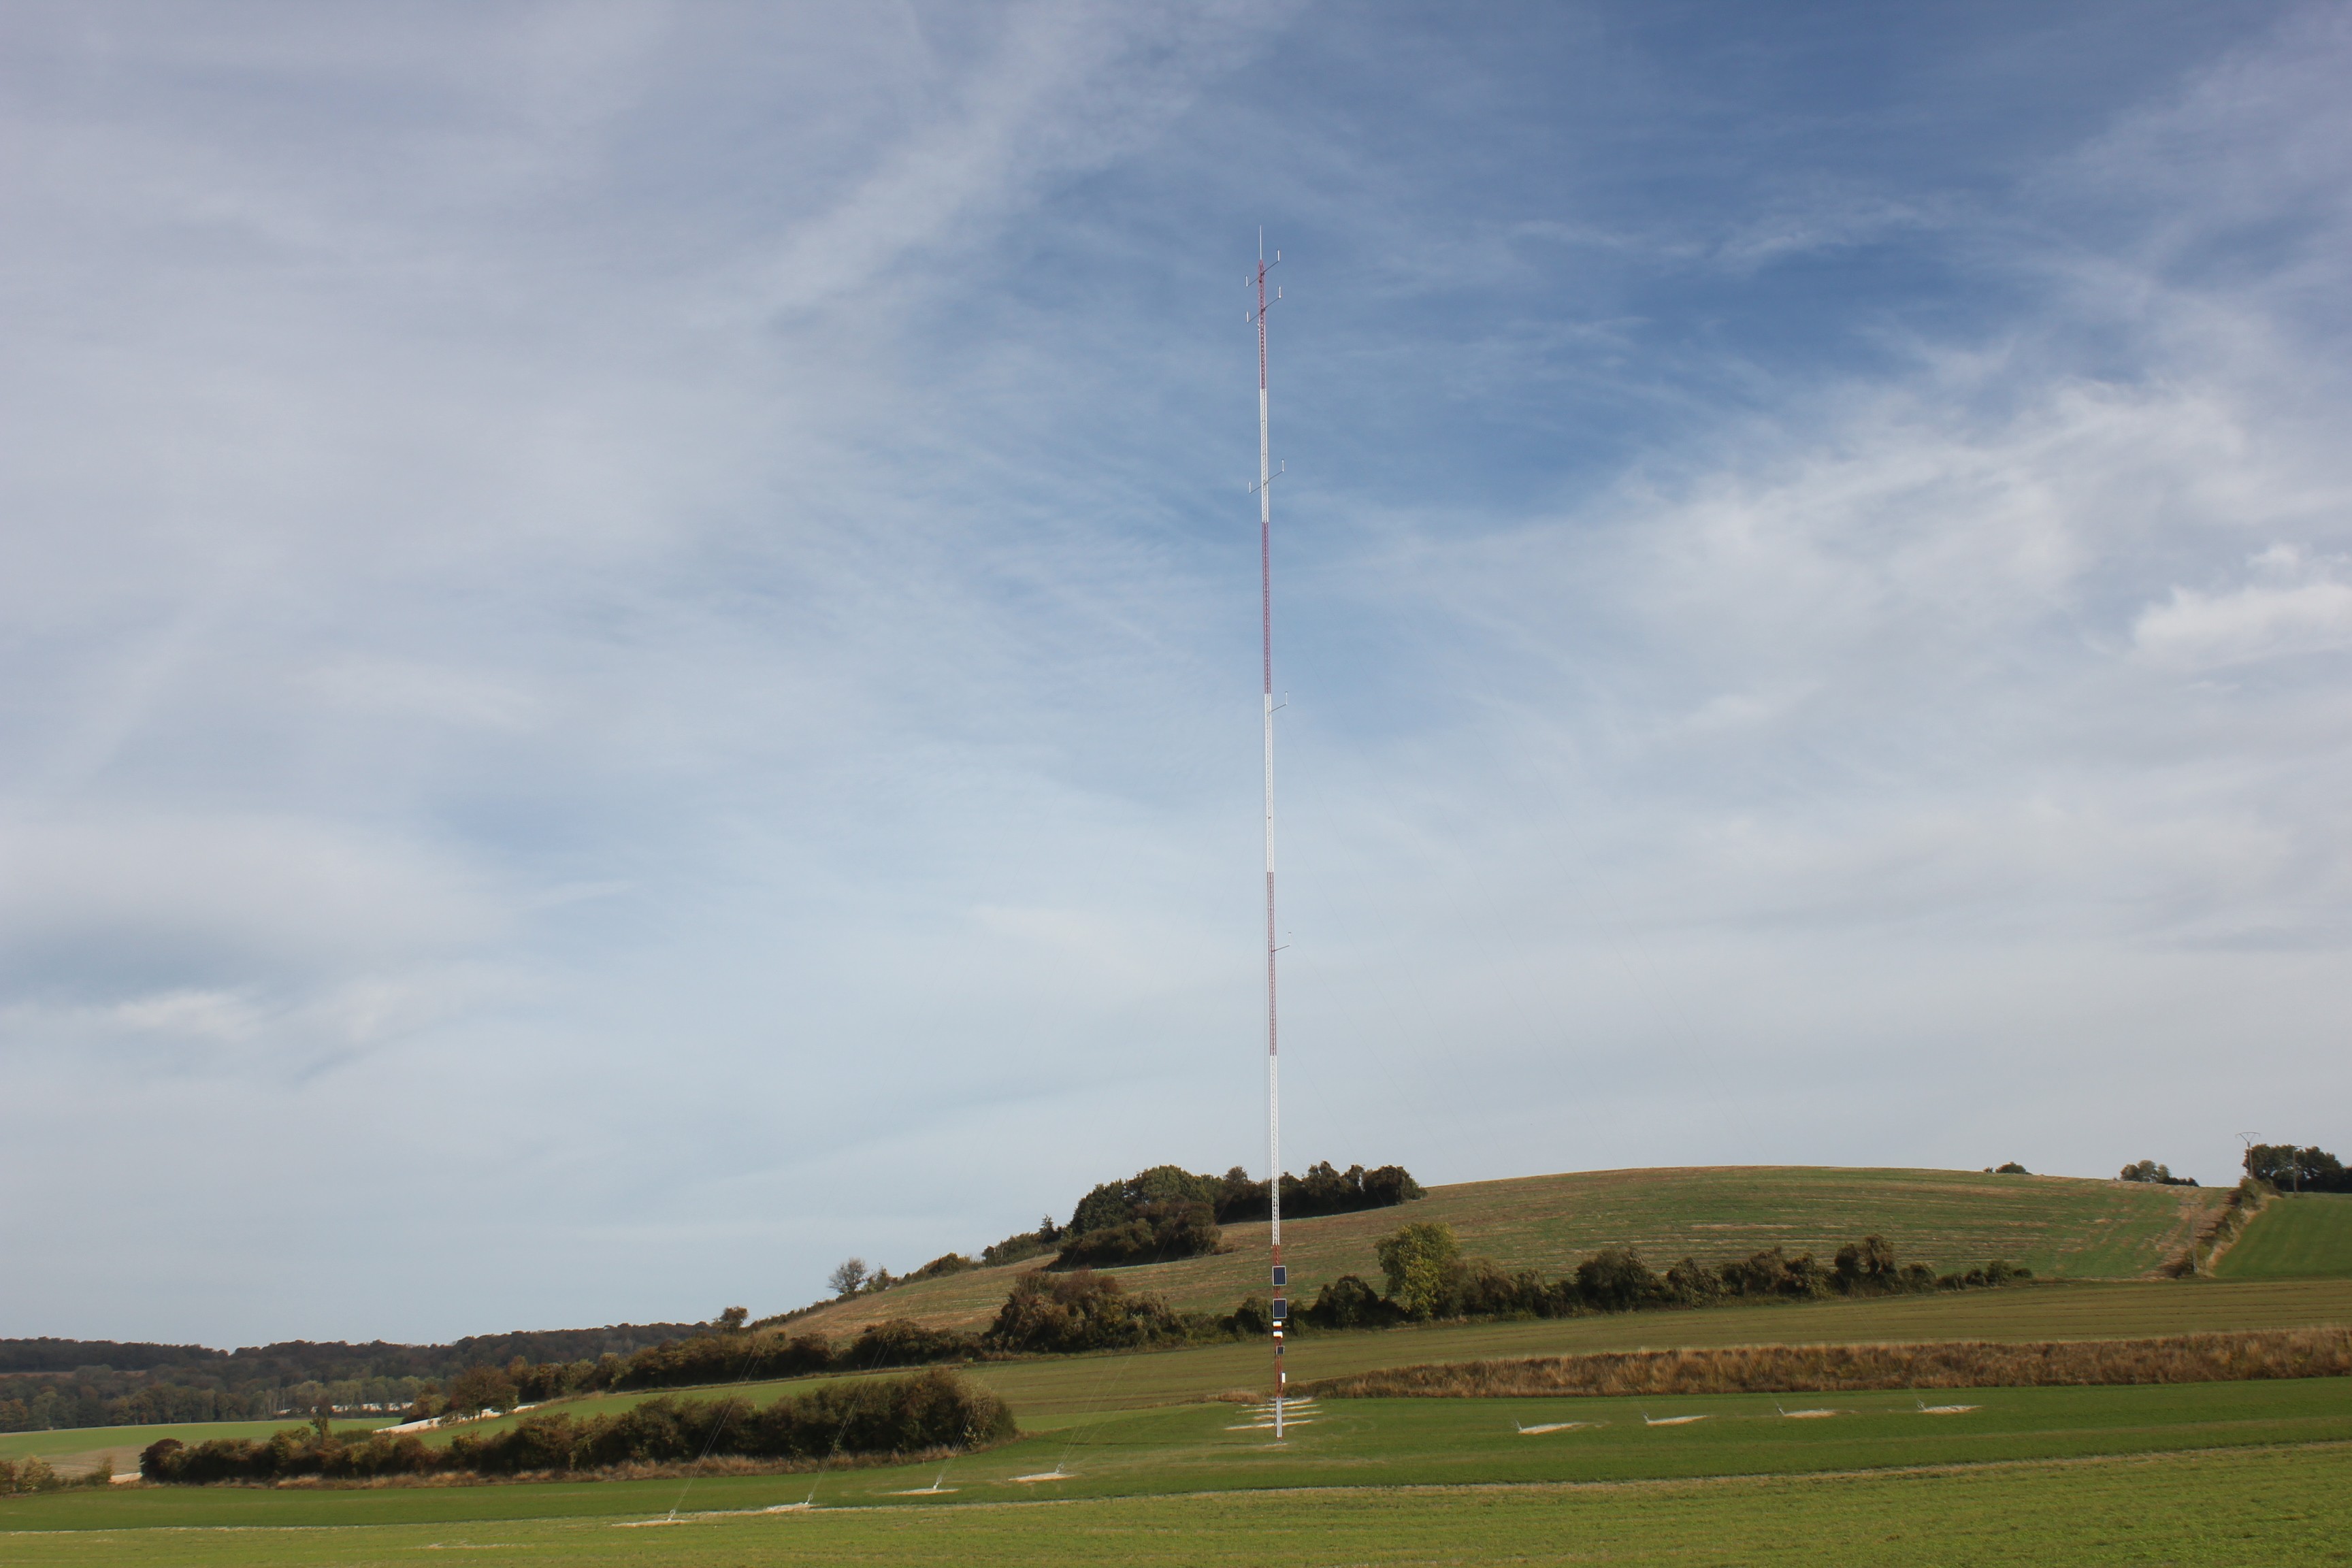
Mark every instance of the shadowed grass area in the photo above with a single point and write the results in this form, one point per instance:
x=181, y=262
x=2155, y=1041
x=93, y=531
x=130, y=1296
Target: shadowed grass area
x=2307, y=1236
x=1402, y=1465
x=2059, y=1226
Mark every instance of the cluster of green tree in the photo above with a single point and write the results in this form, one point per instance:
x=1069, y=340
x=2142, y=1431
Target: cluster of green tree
x=51, y=1384
x=931, y=1411
x=1152, y=1217
x=1429, y=1277
x=1150, y=1233
x=1321, y=1191
x=1048, y=1313
x=2010, y=1169
x=298, y=1360
x=2293, y=1170
x=37, y=1403
x=1168, y=1212
x=2150, y=1171
x=103, y=1397
x=47, y=1354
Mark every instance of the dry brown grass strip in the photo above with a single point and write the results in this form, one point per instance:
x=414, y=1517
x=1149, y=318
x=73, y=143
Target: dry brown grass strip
x=1852, y=1369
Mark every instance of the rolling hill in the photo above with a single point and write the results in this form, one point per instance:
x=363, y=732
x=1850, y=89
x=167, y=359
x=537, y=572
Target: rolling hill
x=2059, y=1226
x=2307, y=1236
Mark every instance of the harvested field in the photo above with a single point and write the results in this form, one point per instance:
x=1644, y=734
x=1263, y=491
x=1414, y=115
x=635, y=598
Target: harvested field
x=2059, y=1226
x=1853, y=1369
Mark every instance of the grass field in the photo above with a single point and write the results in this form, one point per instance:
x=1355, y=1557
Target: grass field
x=1053, y=1393
x=1049, y=1393
x=1407, y=1463
x=1147, y=1470
x=2289, y=1506
x=2061, y=1228
x=2298, y=1237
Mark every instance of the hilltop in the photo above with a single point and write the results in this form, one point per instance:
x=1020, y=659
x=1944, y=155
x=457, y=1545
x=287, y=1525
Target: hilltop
x=2061, y=1227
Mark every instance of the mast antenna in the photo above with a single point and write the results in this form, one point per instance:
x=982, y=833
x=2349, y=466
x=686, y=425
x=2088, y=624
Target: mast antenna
x=1264, y=488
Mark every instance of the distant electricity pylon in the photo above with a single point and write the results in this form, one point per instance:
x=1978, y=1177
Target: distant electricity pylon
x=1264, y=489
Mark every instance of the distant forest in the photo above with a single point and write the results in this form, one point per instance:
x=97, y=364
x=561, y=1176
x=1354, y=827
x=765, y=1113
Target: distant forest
x=48, y=1384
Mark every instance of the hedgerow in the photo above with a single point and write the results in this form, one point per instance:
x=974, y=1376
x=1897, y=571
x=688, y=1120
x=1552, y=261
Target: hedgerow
x=929, y=1411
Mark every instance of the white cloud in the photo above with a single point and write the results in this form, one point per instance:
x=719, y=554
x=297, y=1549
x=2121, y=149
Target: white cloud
x=2196, y=631
x=651, y=615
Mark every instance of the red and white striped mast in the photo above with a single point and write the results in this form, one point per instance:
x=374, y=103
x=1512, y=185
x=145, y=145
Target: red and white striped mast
x=1264, y=488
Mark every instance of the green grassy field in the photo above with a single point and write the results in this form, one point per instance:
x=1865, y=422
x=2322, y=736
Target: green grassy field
x=2061, y=1228
x=1407, y=1462
x=2304, y=1238
x=1051, y=1391
x=2269, y=1507
x=1145, y=1469
x=1147, y=1465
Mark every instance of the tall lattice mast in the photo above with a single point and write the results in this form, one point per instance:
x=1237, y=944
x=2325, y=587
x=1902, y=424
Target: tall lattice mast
x=1264, y=488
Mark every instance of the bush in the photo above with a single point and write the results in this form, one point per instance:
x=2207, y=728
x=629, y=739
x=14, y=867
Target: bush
x=1999, y=1271
x=1865, y=1267
x=1773, y=1273
x=1252, y=1318
x=33, y=1474
x=2150, y=1171
x=1417, y=1259
x=1692, y=1283
x=1615, y=1279
x=2011, y=1169
x=900, y=1342
x=1079, y=1311
x=1348, y=1303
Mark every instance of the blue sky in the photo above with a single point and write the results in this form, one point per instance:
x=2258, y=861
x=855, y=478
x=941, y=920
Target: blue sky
x=627, y=633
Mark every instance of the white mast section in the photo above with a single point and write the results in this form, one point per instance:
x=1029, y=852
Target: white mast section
x=1264, y=488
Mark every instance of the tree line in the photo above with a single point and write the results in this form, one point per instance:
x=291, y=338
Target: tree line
x=1429, y=1277
x=52, y=1384
x=1168, y=1212
x=2292, y=1170
x=928, y=1412
x=1058, y=1312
